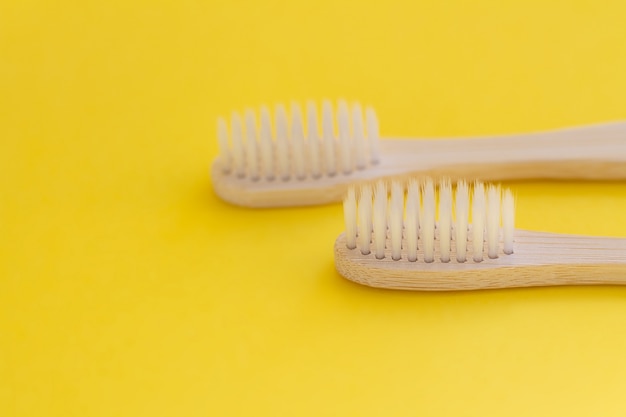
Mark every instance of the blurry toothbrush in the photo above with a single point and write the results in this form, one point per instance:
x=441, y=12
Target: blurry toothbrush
x=297, y=165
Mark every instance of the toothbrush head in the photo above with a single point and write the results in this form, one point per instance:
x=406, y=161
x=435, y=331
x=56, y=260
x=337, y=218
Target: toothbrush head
x=418, y=235
x=284, y=160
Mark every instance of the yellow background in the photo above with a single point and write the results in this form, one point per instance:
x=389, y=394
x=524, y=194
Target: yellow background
x=128, y=289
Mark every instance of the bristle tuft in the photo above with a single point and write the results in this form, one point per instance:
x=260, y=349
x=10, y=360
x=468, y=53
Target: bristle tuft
x=266, y=144
x=462, y=215
x=428, y=220
x=478, y=221
x=371, y=122
x=399, y=221
x=329, y=139
x=508, y=220
x=358, y=133
x=296, y=148
x=345, y=145
x=412, y=220
x=350, y=218
x=282, y=143
x=239, y=163
x=297, y=142
x=252, y=161
x=445, y=219
x=380, y=219
x=222, y=138
x=493, y=220
x=396, y=213
x=313, y=139
x=365, y=219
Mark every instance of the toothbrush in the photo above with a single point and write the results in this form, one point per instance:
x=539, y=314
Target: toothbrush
x=297, y=165
x=389, y=246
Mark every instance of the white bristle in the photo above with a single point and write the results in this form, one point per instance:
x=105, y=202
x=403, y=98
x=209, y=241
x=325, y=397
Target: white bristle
x=328, y=138
x=345, y=146
x=445, y=219
x=380, y=219
x=252, y=155
x=508, y=220
x=222, y=138
x=404, y=220
x=372, y=134
x=239, y=162
x=313, y=139
x=266, y=145
x=297, y=142
x=282, y=143
x=412, y=220
x=298, y=147
x=462, y=215
x=493, y=220
x=358, y=133
x=365, y=219
x=428, y=220
x=395, y=219
x=478, y=221
x=349, y=214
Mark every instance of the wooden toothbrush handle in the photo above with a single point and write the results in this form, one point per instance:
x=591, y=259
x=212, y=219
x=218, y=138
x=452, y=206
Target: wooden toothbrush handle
x=592, y=152
x=539, y=259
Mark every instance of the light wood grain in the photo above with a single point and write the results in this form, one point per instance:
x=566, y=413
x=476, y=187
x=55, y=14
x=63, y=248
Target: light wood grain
x=587, y=153
x=540, y=259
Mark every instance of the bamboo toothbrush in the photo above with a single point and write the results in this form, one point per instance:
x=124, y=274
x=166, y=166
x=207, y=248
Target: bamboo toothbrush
x=291, y=166
x=389, y=246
